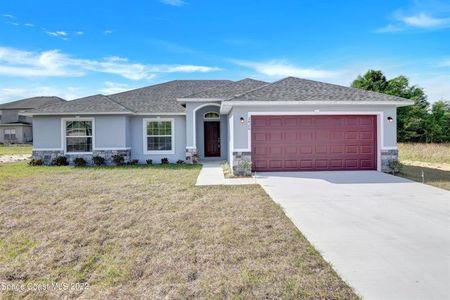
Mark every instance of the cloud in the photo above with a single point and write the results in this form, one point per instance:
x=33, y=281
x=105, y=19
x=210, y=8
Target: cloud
x=54, y=63
x=173, y=2
x=29, y=24
x=79, y=33
x=114, y=88
x=390, y=28
x=281, y=68
x=56, y=33
x=8, y=16
x=423, y=20
x=107, y=32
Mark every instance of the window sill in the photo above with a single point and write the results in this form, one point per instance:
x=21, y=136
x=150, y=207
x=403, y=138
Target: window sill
x=78, y=153
x=158, y=152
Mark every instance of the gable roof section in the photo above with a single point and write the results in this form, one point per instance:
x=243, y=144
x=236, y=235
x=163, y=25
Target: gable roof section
x=292, y=89
x=31, y=103
x=162, y=98
x=226, y=91
x=87, y=105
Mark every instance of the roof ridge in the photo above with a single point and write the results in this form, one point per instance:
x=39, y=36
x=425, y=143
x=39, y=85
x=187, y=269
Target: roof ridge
x=208, y=89
x=259, y=87
x=113, y=101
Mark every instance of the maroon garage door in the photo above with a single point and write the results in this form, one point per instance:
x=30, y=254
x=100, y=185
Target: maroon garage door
x=302, y=143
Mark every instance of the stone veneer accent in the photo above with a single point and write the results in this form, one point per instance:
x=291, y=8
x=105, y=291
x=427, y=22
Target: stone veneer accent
x=388, y=155
x=238, y=157
x=48, y=155
x=191, y=155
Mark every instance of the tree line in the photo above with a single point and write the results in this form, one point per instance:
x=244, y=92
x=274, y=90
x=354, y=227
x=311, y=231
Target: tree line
x=418, y=123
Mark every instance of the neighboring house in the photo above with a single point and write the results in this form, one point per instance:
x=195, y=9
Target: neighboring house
x=290, y=124
x=16, y=128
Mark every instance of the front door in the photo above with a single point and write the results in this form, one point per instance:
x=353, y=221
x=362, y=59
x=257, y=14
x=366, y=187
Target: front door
x=212, y=139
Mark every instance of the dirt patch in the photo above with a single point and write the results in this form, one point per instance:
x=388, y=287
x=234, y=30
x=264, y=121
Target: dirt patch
x=439, y=166
x=14, y=158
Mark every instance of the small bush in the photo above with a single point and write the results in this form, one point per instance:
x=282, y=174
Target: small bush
x=36, y=162
x=134, y=162
x=60, y=161
x=164, y=161
x=149, y=161
x=98, y=160
x=180, y=162
x=118, y=160
x=245, y=167
x=396, y=166
x=79, y=162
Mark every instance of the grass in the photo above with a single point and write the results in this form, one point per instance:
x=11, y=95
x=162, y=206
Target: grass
x=15, y=149
x=148, y=232
x=429, y=153
x=432, y=159
x=434, y=177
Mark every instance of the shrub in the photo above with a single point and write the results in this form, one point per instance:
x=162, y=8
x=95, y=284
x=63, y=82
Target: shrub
x=164, y=161
x=134, y=162
x=36, y=162
x=98, y=160
x=245, y=167
x=149, y=161
x=79, y=162
x=180, y=162
x=118, y=160
x=396, y=166
x=60, y=161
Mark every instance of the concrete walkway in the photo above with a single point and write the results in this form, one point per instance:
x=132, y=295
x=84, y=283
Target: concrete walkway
x=388, y=237
x=212, y=174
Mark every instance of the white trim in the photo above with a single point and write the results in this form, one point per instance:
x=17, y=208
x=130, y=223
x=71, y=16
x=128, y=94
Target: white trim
x=30, y=114
x=184, y=100
x=380, y=125
x=63, y=134
x=161, y=114
x=191, y=147
x=194, y=112
x=47, y=149
x=231, y=137
x=144, y=135
x=112, y=148
x=241, y=150
x=389, y=148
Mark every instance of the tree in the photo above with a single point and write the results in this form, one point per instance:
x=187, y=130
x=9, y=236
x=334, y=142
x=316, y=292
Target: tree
x=411, y=120
x=438, y=126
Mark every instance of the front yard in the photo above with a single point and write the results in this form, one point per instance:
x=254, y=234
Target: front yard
x=148, y=232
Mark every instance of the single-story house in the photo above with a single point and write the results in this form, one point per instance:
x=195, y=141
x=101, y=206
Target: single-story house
x=290, y=124
x=16, y=128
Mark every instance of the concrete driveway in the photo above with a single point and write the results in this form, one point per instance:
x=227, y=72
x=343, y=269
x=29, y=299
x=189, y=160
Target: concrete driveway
x=388, y=237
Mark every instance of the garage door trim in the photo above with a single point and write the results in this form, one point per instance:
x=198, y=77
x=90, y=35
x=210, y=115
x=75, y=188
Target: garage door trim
x=379, y=126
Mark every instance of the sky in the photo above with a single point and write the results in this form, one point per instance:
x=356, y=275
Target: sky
x=78, y=48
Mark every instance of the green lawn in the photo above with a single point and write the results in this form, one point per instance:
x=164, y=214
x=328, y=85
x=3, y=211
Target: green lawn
x=148, y=232
x=15, y=149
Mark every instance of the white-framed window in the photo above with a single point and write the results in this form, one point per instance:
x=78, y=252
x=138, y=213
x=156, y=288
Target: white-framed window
x=211, y=116
x=78, y=135
x=159, y=136
x=9, y=134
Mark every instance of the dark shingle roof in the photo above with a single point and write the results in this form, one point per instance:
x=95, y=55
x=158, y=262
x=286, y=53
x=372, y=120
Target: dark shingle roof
x=163, y=97
x=92, y=104
x=297, y=89
x=226, y=91
x=31, y=103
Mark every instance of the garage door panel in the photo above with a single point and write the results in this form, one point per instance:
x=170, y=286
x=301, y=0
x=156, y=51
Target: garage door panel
x=313, y=142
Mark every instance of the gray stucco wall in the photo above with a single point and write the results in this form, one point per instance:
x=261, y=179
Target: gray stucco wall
x=137, y=139
x=240, y=132
x=200, y=137
x=109, y=131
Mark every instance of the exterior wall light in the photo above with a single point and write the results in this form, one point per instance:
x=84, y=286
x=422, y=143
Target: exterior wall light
x=390, y=119
x=241, y=120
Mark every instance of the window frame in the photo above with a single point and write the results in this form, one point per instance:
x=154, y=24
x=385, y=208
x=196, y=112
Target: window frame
x=145, y=122
x=211, y=119
x=9, y=129
x=64, y=132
